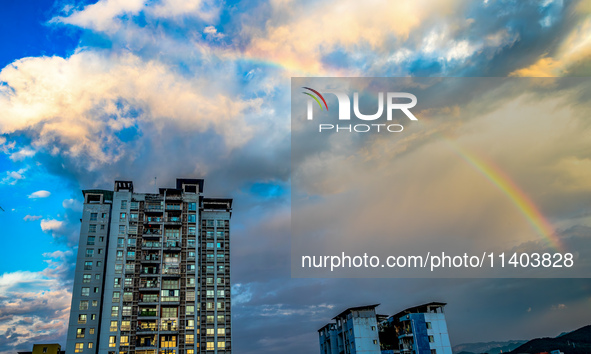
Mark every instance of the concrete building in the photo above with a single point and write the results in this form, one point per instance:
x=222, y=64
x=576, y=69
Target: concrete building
x=152, y=272
x=416, y=330
x=51, y=348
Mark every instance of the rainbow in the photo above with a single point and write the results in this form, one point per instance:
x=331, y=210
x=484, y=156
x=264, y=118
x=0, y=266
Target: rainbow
x=525, y=205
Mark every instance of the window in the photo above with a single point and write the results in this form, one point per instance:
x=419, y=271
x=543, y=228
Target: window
x=220, y=318
x=192, y=230
x=117, y=283
x=86, y=278
x=91, y=331
x=191, y=243
x=375, y=341
x=99, y=263
x=85, y=292
x=90, y=240
x=79, y=347
x=433, y=351
x=209, y=245
x=130, y=254
x=191, y=281
x=83, y=305
x=114, y=326
x=119, y=254
x=118, y=268
x=135, y=205
x=102, y=228
x=190, y=324
x=44, y=349
x=210, y=346
x=428, y=325
x=190, y=338
x=221, y=345
x=209, y=319
x=114, y=311
x=221, y=305
x=170, y=312
x=81, y=319
x=93, y=216
x=126, y=311
x=97, y=277
x=92, y=228
x=221, y=331
x=131, y=242
x=125, y=325
x=90, y=345
x=122, y=216
x=100, y=251
x=112, y=341
x=373, y=328
x=192, y=206
x=221, y=293
x=431, y=339
x=94, y=303
x=190, y=267
x=92, y=317
x=88, y=265
x=128, y=282
x=121, y=229
x=124, y=340
x=192, y=218
x=80, y=333
x=219, y=223
x=116, y=296
x=89, y=252
x=96, y=289
x=102, y=238
x=124, y=204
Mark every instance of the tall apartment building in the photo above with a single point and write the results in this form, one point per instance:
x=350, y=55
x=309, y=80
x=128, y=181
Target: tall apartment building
x=416, y=330
x=152, y=272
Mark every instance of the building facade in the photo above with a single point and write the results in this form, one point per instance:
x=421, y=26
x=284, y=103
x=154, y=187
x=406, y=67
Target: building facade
x=152, y=272
x=416, y=330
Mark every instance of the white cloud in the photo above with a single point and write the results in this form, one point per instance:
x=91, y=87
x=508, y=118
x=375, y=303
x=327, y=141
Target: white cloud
x=51, y=225
x=211, y=31
x=102, y=16
x=12, y=177
x=73, y=204
x=32, y=217
x=39, y=194
x=22, y=154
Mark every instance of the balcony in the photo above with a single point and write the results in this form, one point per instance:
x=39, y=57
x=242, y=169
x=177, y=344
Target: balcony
x=151, y=244
x=153, y=219
x=173, y=220
x=148, y=313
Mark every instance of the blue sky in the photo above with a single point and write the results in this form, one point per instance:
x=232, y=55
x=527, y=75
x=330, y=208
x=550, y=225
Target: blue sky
x=97, y=91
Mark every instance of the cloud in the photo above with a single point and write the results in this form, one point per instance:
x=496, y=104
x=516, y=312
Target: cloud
x=12, y=177
x=32, y=217
x=39, y=194
x=35, y=306
x=73, y=204
x=48, y=225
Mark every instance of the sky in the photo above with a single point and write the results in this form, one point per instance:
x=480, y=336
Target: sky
x=93, y=91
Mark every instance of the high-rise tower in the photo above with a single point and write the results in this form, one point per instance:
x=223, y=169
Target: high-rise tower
x=152, y=272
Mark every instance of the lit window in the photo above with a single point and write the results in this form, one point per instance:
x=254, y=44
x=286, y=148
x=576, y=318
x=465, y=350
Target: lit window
x=79, y=347
x=190, y=338
x=124, y=340
x=221, y=331
x=94, y=303
x=96, y=289
x=84, y=305
x=90, y=345
x=114, y=311
x=117, y=283
x=114, y=326
x=221, y=345
x=112, y=341
x=190, y=310
x=122, y=216
x=192, y=206
x=91, y=331
x=210, y=346
x=86, y=278
x=118, y=268
x=116, y=296
x=92, y=317
x=87, y=265
x=210, y=319
x=85, y=292
x=428, y=325
x=80, y=333
x=431, y=339
x=81, y=319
